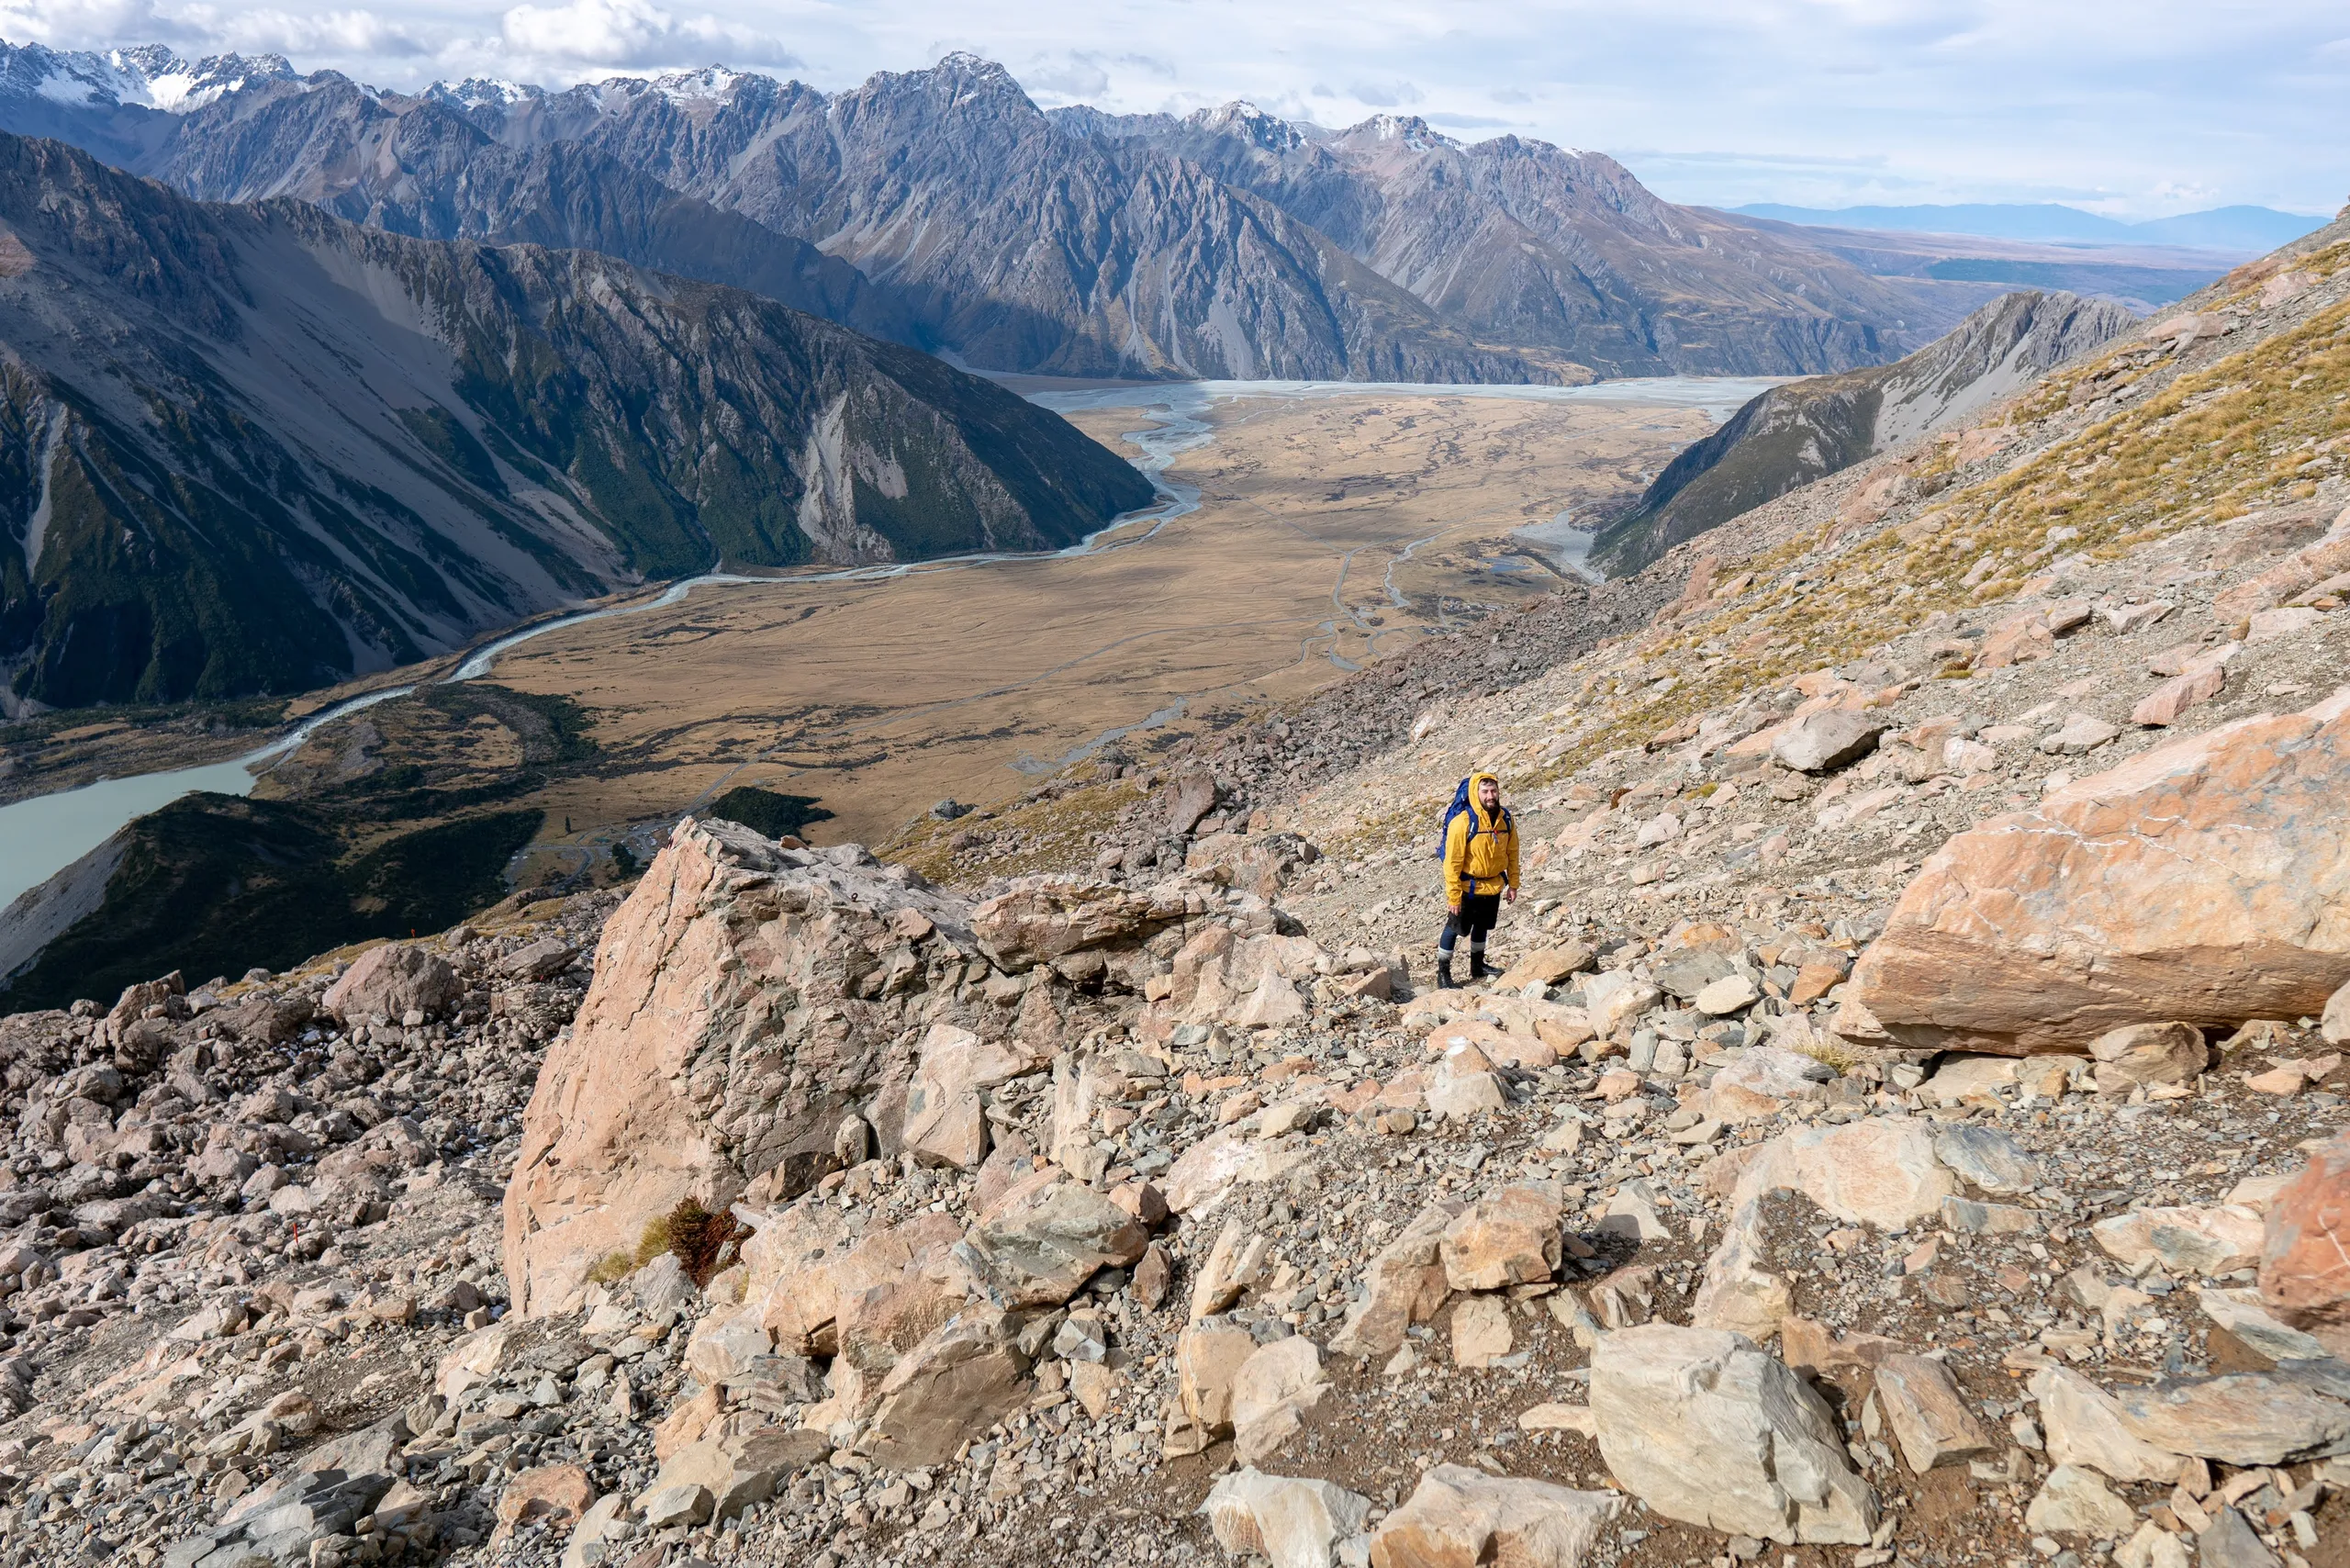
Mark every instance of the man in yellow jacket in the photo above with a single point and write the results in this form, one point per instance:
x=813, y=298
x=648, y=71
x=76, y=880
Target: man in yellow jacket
x=1480, y=871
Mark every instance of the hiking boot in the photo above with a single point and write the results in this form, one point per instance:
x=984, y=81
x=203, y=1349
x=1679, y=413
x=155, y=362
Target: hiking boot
x=1444, y=980
x=1478, y=971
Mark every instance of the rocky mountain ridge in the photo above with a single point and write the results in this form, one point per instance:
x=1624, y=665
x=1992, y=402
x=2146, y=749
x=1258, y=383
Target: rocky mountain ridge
x=1154, y=1206
x=1387, y=251
x=256, y=448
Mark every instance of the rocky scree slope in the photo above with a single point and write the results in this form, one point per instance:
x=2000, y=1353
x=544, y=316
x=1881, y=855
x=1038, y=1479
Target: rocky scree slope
x=1135, y=1209
x=1791, y=435
x=1230, y=246
x=1162, y=1216
x=256, y=448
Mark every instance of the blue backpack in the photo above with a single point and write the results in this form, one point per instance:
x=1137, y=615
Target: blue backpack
x=1461, y=804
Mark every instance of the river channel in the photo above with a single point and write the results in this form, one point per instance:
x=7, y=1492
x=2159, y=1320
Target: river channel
x=43, y=834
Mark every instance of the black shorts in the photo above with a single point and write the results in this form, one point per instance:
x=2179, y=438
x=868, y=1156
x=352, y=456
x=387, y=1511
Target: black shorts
x=1479, y=914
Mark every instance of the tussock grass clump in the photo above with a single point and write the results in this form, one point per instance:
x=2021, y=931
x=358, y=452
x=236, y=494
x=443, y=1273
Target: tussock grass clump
x=705, y=1243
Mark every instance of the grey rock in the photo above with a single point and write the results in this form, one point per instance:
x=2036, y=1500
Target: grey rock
x=1703, y=1425
x=1988, y=1159
x=1826, y=741
x=2232, y=1542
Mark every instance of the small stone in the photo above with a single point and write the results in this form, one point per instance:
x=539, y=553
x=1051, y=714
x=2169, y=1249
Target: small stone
x=2148, y=1053
x=1929, y=1417
x=2077, y=1501
x=1271, y=1395
x=681, y=1504
x=1480, y=1333
x=2232, y=1542
x=1511, y=1237
x=1731, y=993
x=1823, y=742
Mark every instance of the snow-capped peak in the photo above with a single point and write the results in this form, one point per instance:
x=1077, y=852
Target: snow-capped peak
x=1409, y=130
x=475, y=92
x=1244, y=120
x=148, y=76
x=712, y=83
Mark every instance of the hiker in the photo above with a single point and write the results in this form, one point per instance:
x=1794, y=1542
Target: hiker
x=1480, y=871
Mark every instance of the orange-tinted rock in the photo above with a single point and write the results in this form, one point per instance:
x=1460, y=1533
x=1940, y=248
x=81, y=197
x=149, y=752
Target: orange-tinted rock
x=2305, y=1260
x=2016, y=640
x=2207, y=880
x=391, y=982
x=735, y=968
x=551, y=1494
x=1051, y=917
x=2301, y=570
x=2162, y=706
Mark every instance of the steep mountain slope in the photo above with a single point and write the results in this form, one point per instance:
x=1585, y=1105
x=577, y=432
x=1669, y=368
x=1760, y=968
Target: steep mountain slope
x=1228, y=244
x=1020, y=247
x=1527, y=243
x=417, y=166
x=257, y=448
x=1793, y=434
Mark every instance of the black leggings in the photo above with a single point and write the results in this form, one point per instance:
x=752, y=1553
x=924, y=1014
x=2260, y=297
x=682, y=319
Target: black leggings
x=1475, y=917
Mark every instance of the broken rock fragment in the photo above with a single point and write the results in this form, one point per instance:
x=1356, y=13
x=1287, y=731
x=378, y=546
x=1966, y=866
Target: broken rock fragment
x=1271, y=1393
x=2305, y=1249
x=1459, y=1518
x=1930, y=1419
x=1511, y=1237
x=1825, y=741
x=1289, y=1521
x=1704, y=1426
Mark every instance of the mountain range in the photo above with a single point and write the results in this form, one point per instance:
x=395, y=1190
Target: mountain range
x=1793, y=434
x=2244, y=230
x=250, y=448
x=943, y=209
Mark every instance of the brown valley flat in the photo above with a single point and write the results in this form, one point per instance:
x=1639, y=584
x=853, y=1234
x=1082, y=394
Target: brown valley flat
x=1331, y=531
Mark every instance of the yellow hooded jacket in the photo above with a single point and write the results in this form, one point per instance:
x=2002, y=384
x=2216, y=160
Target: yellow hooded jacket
x=1484, y=861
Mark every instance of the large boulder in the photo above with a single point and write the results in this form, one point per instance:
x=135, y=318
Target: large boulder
x=391, y=982
x=1046, y=1238
x=1705, y=1427
x=746, y=998
x=961, y=1379
x=2204, y=882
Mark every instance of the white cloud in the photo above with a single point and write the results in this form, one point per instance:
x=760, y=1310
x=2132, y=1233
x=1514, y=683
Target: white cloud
x=89, y=24
x=1392, y=94
x=1066, y=78
x=631, y=33
x=324, y=32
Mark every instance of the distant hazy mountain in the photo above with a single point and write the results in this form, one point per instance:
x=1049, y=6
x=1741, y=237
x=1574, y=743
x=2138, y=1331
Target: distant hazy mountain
x=1793, y=434
x=2249, y=229
x=977, y=226
x=256, y=448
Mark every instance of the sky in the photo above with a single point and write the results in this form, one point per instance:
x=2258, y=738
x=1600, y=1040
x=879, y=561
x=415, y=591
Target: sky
x=2135, y=111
